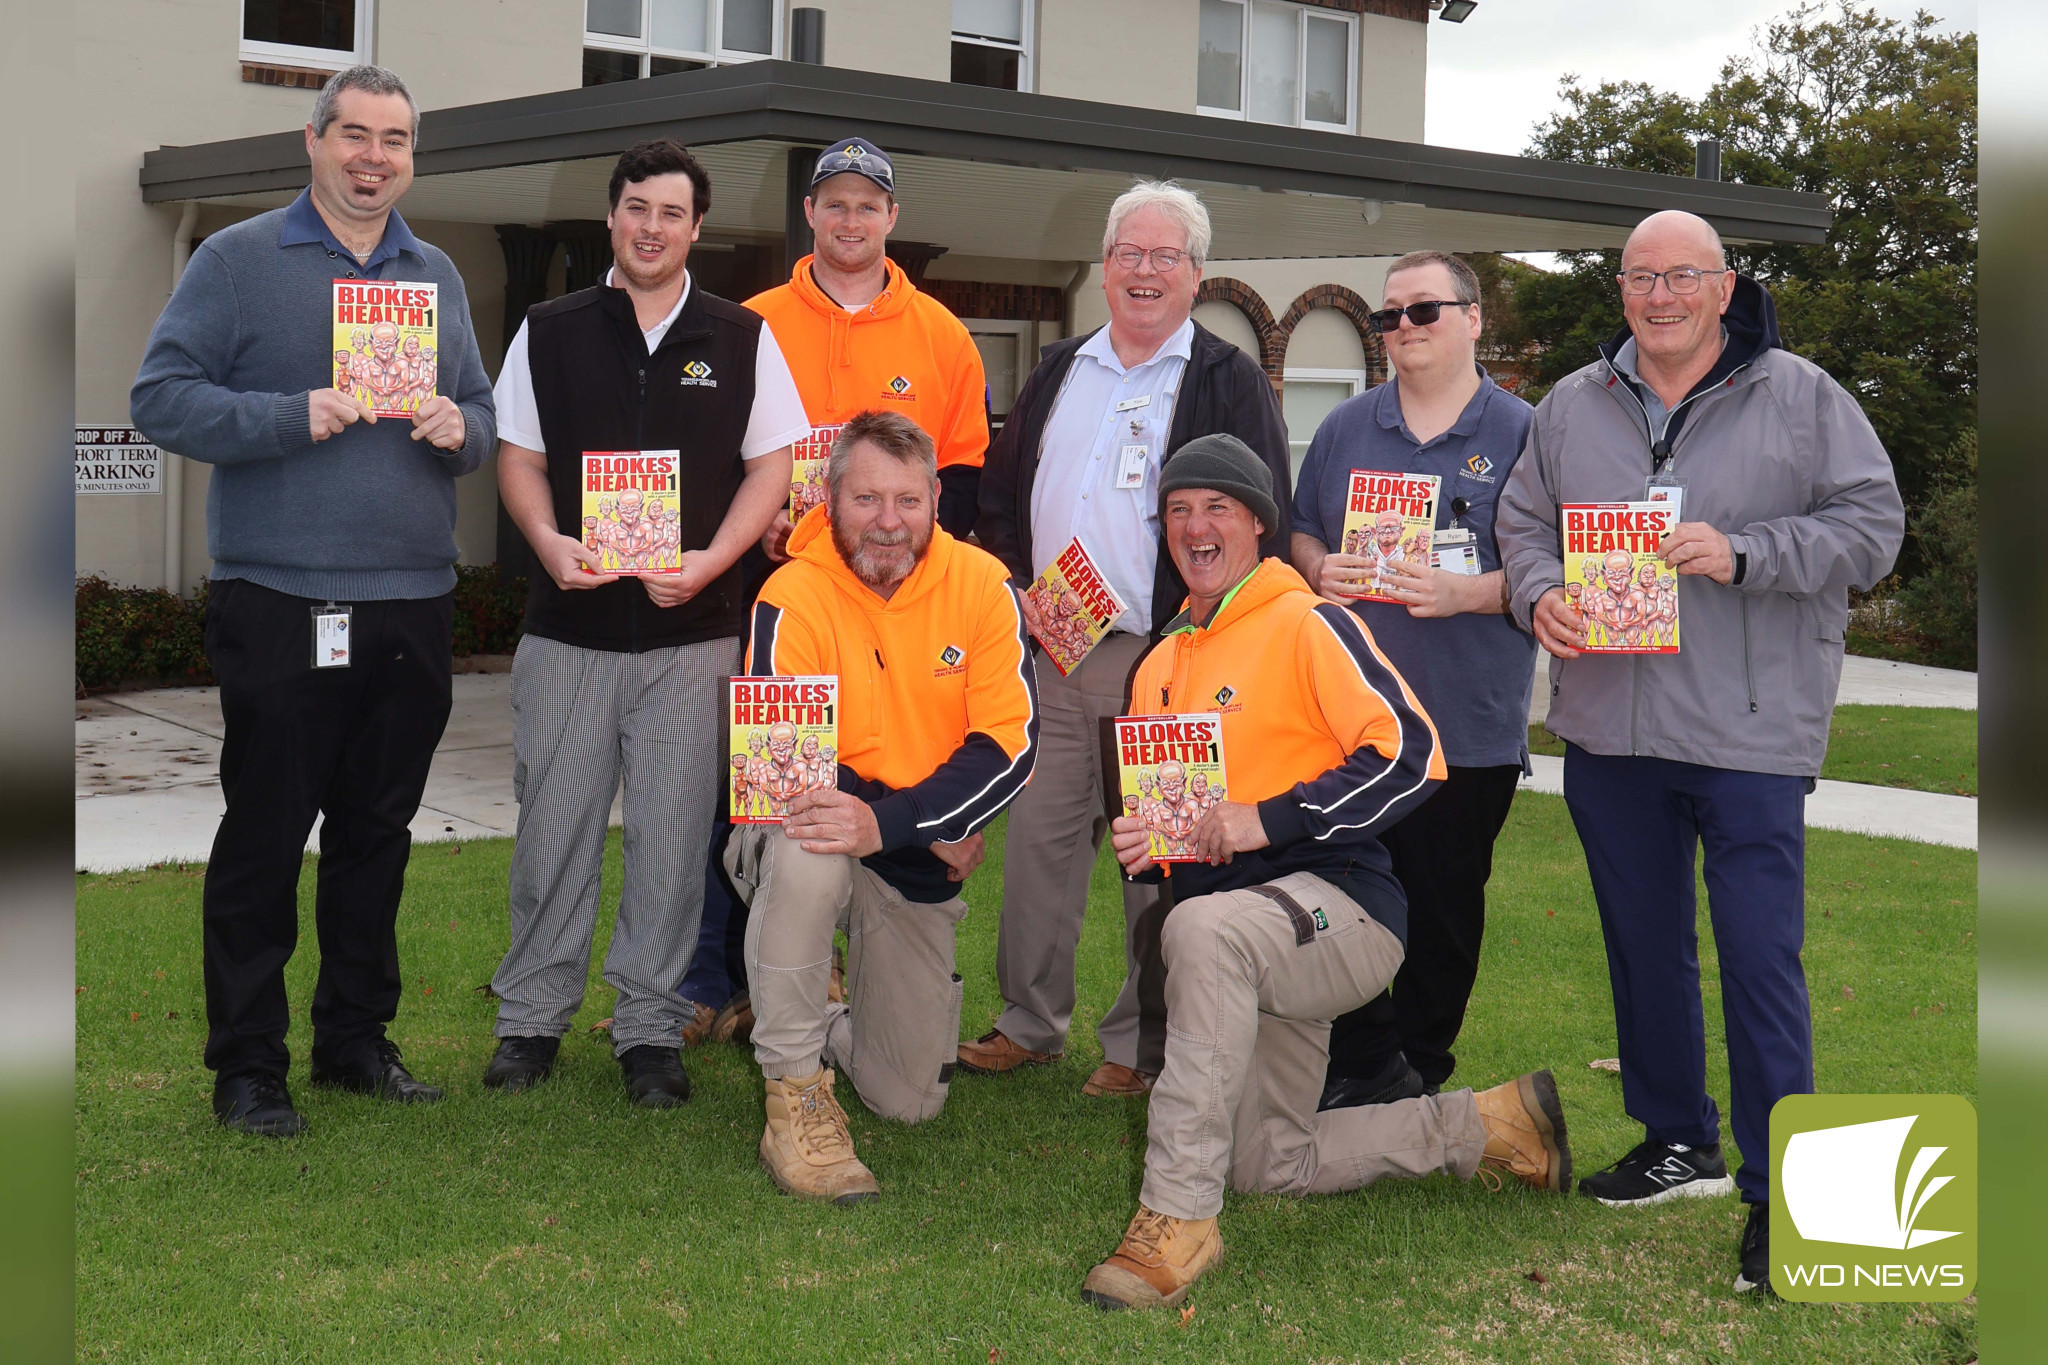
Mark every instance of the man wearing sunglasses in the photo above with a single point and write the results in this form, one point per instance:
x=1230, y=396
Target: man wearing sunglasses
x=1786, y=501
x=1441, y=414
x=1080, y=455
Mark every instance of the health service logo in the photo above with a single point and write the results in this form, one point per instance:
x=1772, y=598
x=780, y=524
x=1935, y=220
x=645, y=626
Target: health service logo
x=899, y=386
x=698, y=374
x=1874, y=1198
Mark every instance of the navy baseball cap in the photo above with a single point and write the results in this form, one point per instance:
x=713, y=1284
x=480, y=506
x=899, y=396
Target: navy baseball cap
x=855, y=156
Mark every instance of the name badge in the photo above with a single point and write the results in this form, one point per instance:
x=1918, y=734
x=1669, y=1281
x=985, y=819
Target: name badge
x=330, y=636
x=1130, y=468
x=1455, y=551
x=1666, y=488
x=1142, y=401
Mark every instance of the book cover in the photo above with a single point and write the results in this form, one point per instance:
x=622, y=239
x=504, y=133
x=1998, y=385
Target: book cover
x=1389, y=519
x=782, y=740
x=1075, y=605
x=1171, y=773
x=385, y=343
x=631, y=499
x=1613, y=578
x=807, y=474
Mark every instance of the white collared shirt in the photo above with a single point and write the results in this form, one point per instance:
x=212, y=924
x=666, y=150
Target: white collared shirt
x=777, y=419
x=1075, y=490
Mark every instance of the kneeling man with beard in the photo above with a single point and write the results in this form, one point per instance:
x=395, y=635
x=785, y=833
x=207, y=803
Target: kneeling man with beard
x=938, y=729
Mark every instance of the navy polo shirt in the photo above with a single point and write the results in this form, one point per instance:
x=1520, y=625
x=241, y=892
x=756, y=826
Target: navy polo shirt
x=303, y=223
x=1472, y=673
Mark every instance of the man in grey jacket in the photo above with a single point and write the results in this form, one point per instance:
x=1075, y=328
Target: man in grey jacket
x=329, y=618
x=1787, y=500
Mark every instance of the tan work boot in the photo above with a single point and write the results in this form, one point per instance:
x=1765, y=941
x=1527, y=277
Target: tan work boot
x=699, y=1027
x=1525, y=1131
x=1159, y=1260
x=995, y=1053
x=735, y=1023
x=1116, y=1081
x=806, y=1146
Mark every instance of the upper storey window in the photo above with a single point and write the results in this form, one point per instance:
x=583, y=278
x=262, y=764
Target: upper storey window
x=1276, y=63
x=328, y=34
x=627, y=39
x=992, y=43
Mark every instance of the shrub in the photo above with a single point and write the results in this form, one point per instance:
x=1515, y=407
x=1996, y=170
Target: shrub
x=1940, y=604
x=487, y=612
x=139, y=634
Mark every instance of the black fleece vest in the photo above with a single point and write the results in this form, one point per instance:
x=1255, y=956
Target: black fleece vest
x=598, y=389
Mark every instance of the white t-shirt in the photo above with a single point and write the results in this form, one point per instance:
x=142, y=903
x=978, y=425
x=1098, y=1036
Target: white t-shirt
x=778, y=418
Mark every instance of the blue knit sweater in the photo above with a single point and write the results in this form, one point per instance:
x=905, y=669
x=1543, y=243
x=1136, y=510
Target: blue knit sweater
x=364, y=515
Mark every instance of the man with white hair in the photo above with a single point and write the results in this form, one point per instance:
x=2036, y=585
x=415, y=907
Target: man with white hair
x=1787, y=501
x=1080, y=455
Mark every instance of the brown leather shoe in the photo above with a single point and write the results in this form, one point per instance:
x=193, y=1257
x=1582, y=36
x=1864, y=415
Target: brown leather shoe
x=699, y=1027
x=1117, y=1082
x=994, y=1053
x=806, y=1147
x=1159, y=1260
x=735, y=1023
x=1525, y=1131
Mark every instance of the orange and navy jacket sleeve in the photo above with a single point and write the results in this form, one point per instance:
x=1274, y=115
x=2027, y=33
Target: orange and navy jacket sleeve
x=1392, y=757
x=994, y=762
x=782, y=643
x=962, y=434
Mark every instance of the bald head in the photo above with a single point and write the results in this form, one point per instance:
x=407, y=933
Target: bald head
x=1675, y=230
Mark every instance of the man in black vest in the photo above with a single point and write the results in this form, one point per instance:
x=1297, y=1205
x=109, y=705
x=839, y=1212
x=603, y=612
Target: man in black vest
x=618, y=679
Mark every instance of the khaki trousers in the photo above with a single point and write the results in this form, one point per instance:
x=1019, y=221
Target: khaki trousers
x=897, y=1037
x=1249, y=1001
x=1055, y=830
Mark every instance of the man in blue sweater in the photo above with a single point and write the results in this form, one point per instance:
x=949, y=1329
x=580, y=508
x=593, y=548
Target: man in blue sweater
x=330, y=615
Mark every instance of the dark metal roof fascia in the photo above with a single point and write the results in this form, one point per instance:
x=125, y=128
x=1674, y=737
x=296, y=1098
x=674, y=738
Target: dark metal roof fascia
x=791, y=102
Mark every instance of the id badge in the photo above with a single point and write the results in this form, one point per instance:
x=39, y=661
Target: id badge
x=1667, y=488
x=330, y=636
x=1455, y=551
x=1131, y=464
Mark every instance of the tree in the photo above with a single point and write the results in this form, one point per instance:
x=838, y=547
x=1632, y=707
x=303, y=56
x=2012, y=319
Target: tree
x=1880, y=116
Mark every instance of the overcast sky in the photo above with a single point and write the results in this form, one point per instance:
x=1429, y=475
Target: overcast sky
x=1494, y=77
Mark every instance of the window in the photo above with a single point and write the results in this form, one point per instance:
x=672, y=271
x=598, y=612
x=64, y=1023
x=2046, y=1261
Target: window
x=1008, y=350
x=1275, y=63
x=328, y=34
x=1306, y=398
x=624, y=40
x=992, y=43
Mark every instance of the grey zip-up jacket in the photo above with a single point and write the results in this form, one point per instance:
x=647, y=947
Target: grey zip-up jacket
x=1778, y=457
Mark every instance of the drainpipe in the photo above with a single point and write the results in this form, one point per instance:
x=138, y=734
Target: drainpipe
x=1073, y=293
x=174, y=465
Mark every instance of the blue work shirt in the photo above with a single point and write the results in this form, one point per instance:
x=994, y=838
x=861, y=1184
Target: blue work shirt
x=1471, y=672
x=303, y=223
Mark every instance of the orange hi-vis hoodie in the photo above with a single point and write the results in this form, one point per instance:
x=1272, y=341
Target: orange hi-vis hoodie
x=1319, y=732
x=904, y=353
x=938, y=708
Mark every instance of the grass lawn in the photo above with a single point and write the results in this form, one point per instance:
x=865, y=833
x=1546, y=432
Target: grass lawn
x=1926, y=748
x=565, y=1225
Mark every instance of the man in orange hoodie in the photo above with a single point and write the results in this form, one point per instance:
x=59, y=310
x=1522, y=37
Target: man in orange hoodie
x=937, y=731
x=859, y=335
x=1292, y=916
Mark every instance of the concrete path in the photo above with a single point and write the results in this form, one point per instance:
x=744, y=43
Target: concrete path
x=1865, y=682
x=1889, y=812
x=148, y=770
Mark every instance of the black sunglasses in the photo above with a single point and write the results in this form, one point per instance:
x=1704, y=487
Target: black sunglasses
x=1421, y=314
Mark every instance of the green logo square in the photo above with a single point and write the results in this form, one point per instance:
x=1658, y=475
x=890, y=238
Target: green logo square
x=1873, y=1198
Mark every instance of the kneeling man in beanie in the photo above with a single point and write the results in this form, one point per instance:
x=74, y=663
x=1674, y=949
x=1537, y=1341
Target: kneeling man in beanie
x=938, y=730
x=1292, y=917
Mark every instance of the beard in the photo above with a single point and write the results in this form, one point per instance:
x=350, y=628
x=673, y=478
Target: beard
x=882, y=559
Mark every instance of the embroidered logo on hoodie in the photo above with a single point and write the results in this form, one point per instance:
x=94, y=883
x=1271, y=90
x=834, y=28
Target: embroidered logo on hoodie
x=899, y=387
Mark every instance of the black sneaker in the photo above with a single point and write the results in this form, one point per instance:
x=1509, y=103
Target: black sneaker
x=1756, y=1252
x=1658, y=1171
x=256, y=1103
x=1396, y=1081
x=655, y=1078
x=521, y=1063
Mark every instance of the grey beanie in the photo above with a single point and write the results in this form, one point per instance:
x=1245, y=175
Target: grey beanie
x=1226, y=464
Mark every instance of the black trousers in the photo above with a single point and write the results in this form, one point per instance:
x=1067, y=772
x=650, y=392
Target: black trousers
x=352, y=745
x=1443, y=856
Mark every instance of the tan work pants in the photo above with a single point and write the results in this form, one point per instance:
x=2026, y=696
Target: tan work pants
x=897, y=1037
x=1249, y=999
